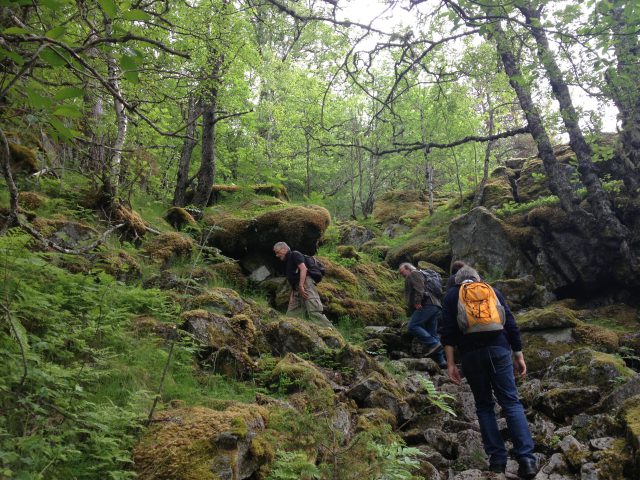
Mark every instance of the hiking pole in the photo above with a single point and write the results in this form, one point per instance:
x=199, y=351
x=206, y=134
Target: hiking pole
x=164, y=374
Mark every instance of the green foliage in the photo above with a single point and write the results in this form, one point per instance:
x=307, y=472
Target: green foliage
x=512, y=208
x=90, y=369
x=397, y=461
x=293, y=466
x=438, y=399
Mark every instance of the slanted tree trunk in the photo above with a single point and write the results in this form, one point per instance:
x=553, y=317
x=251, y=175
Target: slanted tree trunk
x=609, y=225
x=622, y=83
x=556, y=174
x=182, y=182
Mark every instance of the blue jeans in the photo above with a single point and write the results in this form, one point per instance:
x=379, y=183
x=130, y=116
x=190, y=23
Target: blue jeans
x=424, y=326
x=489, y=372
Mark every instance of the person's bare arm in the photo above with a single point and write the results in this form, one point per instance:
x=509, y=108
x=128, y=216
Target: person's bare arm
x=302, y=269
x=452, y=368
x=519, y=364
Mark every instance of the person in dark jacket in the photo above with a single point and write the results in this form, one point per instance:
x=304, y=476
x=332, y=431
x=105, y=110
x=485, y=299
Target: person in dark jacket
x=455, y=266
x=304, y=297
x=488, y=368
x=425, y=310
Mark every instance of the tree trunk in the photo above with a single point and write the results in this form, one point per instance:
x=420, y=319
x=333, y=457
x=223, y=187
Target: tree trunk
x=429, y=178
x=609, y=226
x=112, y=176
x=556, y=174
x=479, y=195
x=207, y=171
x=182, y=182
x=623, y=88
x=308, y=161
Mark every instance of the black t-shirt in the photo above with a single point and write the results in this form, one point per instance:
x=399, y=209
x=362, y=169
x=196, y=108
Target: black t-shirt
x=293, y=259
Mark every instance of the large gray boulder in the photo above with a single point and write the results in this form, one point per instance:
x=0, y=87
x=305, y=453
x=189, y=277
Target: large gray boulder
x=544, y=245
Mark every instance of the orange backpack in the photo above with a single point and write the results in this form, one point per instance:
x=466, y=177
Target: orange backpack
x=479, y=309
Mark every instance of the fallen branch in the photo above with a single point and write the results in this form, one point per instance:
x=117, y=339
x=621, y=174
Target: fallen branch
x=51, y=244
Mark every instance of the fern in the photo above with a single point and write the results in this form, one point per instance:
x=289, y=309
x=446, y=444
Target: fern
x=438, y=399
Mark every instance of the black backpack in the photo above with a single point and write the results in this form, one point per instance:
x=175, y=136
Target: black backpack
x=315, y=269
x=432, y=285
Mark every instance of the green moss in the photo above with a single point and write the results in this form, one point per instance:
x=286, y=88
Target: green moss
x=496, y=192
x=588, y=367
x=178, y=218
x=298, y=374
x=32, y=200
x=532, y=182
x=23, y=159
x=347, y=251
x=630, y=413
x=182, y=444
x=169, y=245
x=552, y=316
x=611, y=463
x=539, y=353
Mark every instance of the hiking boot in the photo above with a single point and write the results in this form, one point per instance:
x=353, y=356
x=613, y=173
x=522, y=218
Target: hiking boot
x=498, y=467
x=527, y=468
x=436, y=348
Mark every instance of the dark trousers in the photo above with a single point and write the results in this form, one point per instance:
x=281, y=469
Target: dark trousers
x=489, y=372
x=424, y=326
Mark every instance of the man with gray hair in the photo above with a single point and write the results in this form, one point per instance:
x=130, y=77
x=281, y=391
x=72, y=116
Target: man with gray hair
x=304, y=297
x=485, y=352
x=424, y=308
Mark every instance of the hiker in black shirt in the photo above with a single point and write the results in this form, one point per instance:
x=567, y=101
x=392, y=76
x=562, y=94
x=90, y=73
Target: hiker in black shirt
x=304, y=298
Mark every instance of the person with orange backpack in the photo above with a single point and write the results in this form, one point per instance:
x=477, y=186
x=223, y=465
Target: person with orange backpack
x=477, y=320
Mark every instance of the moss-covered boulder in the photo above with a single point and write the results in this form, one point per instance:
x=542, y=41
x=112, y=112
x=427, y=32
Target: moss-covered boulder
x=22, y=159
x=347, y=251
x=295, y=335
x=32, y=200
x=178, y=218
x=216, y=331
x=169, y=246
x=405, y=207
x=353, y=234
x=524, y=292
x=301, y=227
x=561, y=402
x=532, y=182
x=120, y=264
x=378, y=391
x=295, y=374
x=64, y=232
x=630, y=414
x=220, y=300
x=589, y=367
x=489, y=244
x=497, y=191
x=226, y=342
x=554, y=316
x=201, y=444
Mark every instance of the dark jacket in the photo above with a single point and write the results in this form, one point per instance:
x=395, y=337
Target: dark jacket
x=415, y=292
x=508, y=338
x=292, y=259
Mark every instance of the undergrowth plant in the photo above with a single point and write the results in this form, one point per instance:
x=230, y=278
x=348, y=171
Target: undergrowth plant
x=80, y=366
